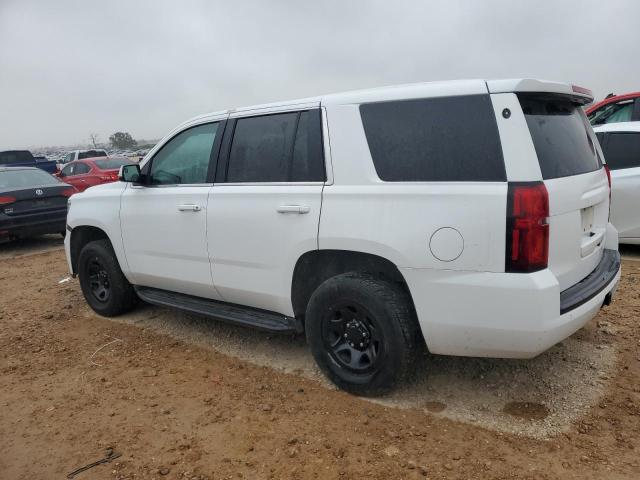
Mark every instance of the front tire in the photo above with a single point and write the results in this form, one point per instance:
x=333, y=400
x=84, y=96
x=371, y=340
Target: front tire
x=103, y=284
x=363, y=333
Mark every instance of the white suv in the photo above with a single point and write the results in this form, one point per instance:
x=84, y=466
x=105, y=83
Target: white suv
x=470, y=216
x=620, y=143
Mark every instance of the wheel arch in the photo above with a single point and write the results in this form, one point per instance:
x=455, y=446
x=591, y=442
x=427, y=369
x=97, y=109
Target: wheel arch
x=80, y=236
x=316, y=266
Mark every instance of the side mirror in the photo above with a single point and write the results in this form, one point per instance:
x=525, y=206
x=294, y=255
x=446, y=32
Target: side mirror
x=129, y=173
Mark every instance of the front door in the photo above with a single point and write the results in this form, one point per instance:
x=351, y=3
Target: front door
x=264, y=208
x=164, y=221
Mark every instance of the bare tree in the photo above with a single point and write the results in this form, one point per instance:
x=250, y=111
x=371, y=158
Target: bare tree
x=94, y=138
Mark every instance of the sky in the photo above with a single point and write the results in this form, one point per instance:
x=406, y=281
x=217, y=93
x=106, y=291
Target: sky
x=72, y=68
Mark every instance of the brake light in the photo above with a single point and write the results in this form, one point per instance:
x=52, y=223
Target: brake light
x=527, y=248
x=582, y=90
x=6, y=200
x=67, y=192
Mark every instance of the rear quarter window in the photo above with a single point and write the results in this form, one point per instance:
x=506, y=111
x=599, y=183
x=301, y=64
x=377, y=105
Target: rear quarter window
x=436, y=139
x=560, y=133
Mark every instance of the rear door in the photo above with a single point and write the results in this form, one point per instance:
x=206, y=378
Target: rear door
x=622, y=154
x=575, y=180
x=264, y=208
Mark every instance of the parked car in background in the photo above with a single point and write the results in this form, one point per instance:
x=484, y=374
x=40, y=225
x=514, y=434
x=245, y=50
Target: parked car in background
x=24, y=158
x=614, y=109
x=470, y=216
x=82, y=154
x=32, y=202
x=620, y=144
x=83, y=174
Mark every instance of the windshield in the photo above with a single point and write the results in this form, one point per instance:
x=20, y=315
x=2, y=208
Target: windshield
x=26, y=178
x=560, y=134
x=112, y=163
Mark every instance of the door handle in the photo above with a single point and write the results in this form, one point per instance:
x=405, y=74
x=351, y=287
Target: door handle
x=300, y=209
x=189, y=208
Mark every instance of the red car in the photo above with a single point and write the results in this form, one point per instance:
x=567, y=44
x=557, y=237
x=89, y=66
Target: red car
x=88, y=172
x=615, y=108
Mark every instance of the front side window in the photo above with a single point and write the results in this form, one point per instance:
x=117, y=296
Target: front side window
x=68, y=171
x=185, y=158
x=284, y=147
x=443, y=139
x=81, y=168
x=622, y=150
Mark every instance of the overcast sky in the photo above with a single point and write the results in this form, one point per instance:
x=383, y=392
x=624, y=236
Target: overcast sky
x=70, y=68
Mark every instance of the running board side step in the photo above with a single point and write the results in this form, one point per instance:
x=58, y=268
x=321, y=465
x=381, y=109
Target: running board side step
x=227, y=312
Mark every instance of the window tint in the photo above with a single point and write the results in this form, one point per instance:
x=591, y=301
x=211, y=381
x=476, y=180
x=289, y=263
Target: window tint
x=261, y=148
x=91, y=154
x=185, y=158
x=435, y=139
x=15, y=156
x=622, y=150
x=308, y=156
x=283, y=147
x=560, y=135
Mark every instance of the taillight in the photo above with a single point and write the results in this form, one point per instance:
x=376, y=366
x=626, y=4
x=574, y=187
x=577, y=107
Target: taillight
x=527, y=248
x=6, y=200
x=67, y=192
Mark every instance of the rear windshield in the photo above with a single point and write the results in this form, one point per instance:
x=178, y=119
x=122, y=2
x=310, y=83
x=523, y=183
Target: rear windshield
x=559, y=130
x=112, y=163
x=91, y=154
x=26, y=178
x=15, y=156
x=435, y=139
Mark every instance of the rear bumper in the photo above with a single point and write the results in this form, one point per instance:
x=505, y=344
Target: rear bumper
x=33, y=224
x=504, y=315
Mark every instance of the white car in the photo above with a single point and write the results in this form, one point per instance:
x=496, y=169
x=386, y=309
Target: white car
x=467, y=216
x=82, y=154
x=620, y=143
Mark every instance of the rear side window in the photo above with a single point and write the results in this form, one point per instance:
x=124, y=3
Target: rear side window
x=622, y=150
x=559, y=131
x=436, y=139
x=112, y=163
x=91, y=154
x=284, y=147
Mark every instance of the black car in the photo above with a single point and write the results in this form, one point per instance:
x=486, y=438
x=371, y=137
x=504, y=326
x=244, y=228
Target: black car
x=32, y=202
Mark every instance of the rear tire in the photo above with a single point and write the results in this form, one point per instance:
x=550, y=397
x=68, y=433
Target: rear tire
x=363, y=333
x=103, y=284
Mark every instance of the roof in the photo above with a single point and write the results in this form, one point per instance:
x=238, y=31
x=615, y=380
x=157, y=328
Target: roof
x=618, y=127
x=416, y=90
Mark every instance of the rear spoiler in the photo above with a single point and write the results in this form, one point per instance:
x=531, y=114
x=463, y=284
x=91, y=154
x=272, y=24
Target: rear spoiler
x=580, y=95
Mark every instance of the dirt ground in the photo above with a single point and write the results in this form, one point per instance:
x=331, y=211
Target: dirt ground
x=183, y=397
